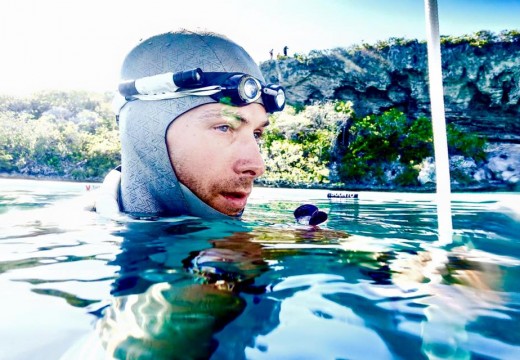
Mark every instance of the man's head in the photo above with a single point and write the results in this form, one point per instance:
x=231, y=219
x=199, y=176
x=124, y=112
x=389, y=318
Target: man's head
x=194, y=155
x=214, y=151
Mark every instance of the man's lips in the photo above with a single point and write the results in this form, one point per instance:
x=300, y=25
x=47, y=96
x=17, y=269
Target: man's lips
x=236, y=199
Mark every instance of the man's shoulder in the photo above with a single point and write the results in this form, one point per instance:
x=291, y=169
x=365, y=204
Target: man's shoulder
x=107, y=197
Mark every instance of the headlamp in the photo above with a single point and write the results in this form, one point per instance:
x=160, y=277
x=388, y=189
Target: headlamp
x=231, y=88
x=274, y=97
x=237, y=89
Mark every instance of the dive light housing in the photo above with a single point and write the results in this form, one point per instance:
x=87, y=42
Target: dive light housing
x=161, y=83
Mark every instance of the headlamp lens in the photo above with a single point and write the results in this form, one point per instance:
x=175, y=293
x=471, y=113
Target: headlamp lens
x=249, y=89
x=280, y=98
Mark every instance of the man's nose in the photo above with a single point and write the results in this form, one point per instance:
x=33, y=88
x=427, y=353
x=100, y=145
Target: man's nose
x=249, y=160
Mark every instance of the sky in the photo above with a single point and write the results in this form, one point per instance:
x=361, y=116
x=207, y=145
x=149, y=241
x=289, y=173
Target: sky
x=80, y=44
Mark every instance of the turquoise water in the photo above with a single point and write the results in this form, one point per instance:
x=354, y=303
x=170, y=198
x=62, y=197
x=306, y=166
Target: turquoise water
x=370, y=283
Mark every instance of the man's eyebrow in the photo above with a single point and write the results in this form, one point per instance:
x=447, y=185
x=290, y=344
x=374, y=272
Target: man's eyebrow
x=212, y=114
x=243, y=120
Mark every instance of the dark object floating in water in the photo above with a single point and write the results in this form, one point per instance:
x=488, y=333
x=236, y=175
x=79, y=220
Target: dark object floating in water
x=309, y=214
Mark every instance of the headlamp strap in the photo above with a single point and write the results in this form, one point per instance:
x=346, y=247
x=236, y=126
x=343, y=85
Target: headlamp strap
x=218, y=78
x=213, y=84
x=204, y=91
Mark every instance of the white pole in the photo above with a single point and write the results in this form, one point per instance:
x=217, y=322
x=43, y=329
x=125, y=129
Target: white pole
x=440, y=141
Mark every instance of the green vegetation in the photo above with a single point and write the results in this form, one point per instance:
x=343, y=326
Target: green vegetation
x=482, y=38
x=297, y=145
x=301, y=148
x=73, y=135
x=390, y=138
x=301, y=58
x=383, y=44
x=385, y=139
x=60, y=134
x=477, y=39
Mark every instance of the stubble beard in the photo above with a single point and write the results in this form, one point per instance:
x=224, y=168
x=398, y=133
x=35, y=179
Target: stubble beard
x=212, y=194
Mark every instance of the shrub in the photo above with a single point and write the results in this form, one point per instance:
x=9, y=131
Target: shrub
x=64, y=134
x=466, y=144
x=297, y=145
x=477, y=39
x=377, y=140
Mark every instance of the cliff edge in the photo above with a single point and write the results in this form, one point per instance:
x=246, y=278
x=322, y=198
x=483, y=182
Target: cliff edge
x=481, y=83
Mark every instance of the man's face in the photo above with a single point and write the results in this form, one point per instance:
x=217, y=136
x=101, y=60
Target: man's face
x=214, y=151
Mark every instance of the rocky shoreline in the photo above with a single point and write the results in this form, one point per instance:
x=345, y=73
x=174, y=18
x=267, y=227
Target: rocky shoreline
x=490, y=186
x=481, y=91
x=501, y=172
x=481, y=95
x=496, y=186
x=18, y=176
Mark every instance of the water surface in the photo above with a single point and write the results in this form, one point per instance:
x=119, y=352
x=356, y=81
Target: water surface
x=372, y=282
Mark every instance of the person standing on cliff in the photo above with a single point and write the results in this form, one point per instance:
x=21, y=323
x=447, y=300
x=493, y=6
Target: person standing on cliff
x=193, y=106
x=285, y=48
x=271, y=53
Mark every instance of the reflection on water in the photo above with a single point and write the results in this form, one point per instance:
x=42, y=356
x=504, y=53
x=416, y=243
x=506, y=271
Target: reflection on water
x=369, y=283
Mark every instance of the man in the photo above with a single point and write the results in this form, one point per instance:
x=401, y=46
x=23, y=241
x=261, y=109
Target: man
x=195, y=105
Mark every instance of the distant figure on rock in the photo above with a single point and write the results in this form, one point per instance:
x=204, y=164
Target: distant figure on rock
x=285, y=48
x=271, y=53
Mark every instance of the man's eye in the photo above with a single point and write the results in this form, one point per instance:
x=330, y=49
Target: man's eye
x=223, y=128
x=258, y=135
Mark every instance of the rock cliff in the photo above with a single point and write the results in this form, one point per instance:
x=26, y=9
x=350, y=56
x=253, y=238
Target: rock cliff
x=481, y=84
x=481, y=91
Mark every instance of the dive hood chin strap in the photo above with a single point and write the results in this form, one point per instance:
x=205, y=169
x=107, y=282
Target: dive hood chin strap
x=199, y=208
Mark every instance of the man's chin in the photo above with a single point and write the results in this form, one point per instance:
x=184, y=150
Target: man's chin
x=230, y=204
x=228, y=211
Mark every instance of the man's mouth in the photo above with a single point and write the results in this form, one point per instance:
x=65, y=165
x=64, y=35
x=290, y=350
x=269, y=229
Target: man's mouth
x=236, y=199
